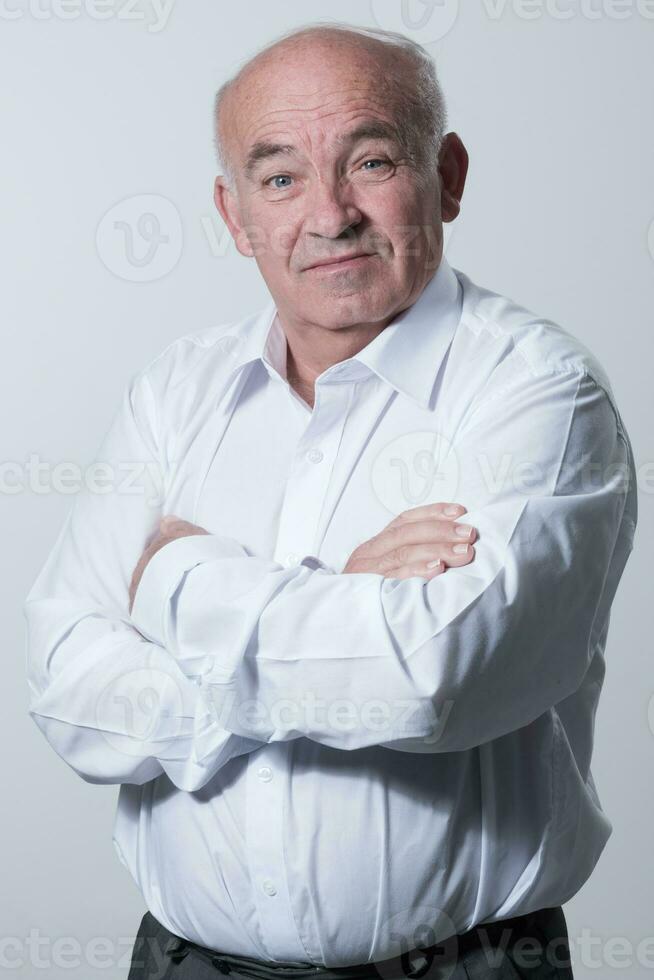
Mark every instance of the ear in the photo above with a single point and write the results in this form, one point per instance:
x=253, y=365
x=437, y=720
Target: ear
x=452, y=168
x=227, y=204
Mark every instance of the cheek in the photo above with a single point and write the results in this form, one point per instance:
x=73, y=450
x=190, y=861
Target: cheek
x=405, y=231
x=393, y=210
x=272, y=235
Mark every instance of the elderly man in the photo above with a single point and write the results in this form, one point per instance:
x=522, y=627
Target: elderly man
x=348, y=683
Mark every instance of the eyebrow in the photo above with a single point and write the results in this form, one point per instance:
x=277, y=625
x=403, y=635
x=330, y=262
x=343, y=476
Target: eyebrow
x=372, y=129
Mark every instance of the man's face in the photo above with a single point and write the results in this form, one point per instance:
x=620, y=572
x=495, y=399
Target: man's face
x=344, y=184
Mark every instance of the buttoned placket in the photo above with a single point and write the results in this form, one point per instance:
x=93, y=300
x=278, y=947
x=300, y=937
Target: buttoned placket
x=267, y=776
x=309, y=476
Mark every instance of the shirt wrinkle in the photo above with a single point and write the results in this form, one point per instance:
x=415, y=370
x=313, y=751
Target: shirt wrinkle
x=345, y=758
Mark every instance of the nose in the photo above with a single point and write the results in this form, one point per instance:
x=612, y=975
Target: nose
x=330, y=214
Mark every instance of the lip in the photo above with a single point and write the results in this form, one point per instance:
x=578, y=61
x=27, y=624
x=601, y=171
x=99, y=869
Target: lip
x=350, y=261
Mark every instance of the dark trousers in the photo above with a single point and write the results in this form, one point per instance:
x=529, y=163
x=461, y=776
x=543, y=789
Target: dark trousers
x=526, y=947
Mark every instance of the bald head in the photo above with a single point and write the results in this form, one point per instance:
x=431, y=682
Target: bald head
x=298, y=66
x=341, y=179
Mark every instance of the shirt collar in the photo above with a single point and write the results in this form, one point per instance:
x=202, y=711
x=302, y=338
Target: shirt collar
x=407, y=353
x=410, y=349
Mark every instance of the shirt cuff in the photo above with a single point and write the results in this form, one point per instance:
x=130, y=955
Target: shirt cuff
x=163, y=572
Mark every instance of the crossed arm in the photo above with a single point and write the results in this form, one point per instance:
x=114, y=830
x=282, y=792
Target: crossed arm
x=234, y=651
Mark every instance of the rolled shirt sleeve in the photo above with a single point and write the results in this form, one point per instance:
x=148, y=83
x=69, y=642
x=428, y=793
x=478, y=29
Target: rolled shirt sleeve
x=115, y=706
x=352, y=660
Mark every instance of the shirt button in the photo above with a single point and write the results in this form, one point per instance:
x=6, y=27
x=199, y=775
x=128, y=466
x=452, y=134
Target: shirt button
x=269, y=887
x=292, y=558
x=265, y=774
x=314, y=455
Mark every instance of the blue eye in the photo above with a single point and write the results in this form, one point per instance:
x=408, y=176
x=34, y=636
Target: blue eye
x=279, y=177
x=270, y=180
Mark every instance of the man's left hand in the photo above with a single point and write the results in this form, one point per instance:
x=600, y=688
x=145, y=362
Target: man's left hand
x=170, y=528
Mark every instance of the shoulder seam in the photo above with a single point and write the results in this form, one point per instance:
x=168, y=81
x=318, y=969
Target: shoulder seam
x=496, y=329
x=176, y=341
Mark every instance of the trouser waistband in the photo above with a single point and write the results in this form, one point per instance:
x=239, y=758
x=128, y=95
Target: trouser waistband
x=420, y=962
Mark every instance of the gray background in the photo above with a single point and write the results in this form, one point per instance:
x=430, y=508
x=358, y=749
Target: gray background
x=556, y=113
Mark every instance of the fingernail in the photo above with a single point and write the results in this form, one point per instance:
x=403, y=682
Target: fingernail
x=463, y=531
x=433, y=564
x=452, y=509
x=460, y=549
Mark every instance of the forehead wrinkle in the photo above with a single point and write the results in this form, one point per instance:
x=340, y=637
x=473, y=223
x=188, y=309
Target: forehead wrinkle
x=364, y=67
x=375, y=99
x=369, y=127
x=264, y=149
x=356, y=95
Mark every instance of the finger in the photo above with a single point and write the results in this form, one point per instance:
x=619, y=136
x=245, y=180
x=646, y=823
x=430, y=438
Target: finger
x=414, y=533
x=456, y=558
x=419, y=569
x=446, y=511
x=417, y=554
x=452, y=554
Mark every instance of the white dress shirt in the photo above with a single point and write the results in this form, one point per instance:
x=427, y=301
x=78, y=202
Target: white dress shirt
x=315, y=763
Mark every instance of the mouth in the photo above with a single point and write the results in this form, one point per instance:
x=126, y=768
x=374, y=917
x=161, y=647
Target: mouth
x=348, y=262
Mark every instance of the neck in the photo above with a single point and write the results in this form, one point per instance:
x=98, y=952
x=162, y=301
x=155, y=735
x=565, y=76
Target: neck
x=305, y=361
x=301, y=382
x=311, y=348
